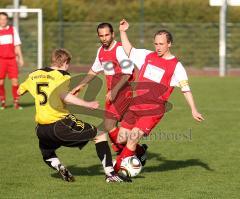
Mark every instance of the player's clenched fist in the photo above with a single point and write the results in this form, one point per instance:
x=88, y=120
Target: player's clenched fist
x=123, y=25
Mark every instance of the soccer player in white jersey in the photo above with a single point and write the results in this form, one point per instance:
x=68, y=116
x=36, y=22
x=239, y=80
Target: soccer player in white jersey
x=10, y=54
x=118, y=69
x=159, y=72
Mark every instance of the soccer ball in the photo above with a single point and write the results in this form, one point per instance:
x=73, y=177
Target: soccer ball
x=131, y=166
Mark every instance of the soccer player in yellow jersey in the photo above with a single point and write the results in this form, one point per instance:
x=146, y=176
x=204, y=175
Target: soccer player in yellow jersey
x=55, y=125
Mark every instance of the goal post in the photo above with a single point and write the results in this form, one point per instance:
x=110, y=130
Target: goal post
x=38, y=11
x=222, y=31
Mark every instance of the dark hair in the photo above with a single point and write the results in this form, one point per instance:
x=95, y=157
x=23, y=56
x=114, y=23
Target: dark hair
x=105, y=25
x=60, y=56
x=4, y=13
x=167, y=33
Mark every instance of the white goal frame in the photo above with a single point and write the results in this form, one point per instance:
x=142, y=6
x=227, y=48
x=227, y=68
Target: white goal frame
x=40, y=30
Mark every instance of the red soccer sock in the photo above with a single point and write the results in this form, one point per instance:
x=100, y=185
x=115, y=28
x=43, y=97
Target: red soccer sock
x=2, y=93
x=113, y=137
x=14, y=93
x=117, y=147
x=126, y=152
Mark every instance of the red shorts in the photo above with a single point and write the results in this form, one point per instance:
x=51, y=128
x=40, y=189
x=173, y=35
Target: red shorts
x=116, y=109
x=8, y=67
x=144, y=123
x=144, y=119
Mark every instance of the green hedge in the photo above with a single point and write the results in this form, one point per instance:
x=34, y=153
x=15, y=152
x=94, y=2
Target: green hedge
x=194, y=25
x=182, y=11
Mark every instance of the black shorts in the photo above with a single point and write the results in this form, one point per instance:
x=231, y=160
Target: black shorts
x=69, y=132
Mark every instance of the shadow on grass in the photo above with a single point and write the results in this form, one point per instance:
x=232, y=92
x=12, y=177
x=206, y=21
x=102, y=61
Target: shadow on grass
x=167, y=165
x=22, y=104
x=93, y=170
x=28, y=104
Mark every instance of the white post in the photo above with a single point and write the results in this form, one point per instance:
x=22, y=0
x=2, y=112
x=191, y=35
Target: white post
x=15, y=15
x=222, y=39
x=40, y=29
x=40, y=39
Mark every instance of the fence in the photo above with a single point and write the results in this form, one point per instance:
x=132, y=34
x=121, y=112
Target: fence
x=195, y=44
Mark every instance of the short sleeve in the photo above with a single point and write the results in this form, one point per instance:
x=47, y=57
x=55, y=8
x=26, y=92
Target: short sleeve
x=17, y=40
x=138, y=56
x=97, y=66
x=64, y=84
x=126, y=64
x=180, y=78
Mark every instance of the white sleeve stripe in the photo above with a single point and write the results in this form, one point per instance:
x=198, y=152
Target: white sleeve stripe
x=17, y=40
x=138, y=56
x=98, y=51
x=130, y=52
x=125, y=63
x=97, y=66
x=180, y=78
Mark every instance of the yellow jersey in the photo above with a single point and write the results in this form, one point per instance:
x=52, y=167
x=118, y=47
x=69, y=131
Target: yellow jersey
x=46, y=85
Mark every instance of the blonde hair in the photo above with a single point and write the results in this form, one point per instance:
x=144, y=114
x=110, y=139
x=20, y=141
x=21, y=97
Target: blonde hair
x=60, y=56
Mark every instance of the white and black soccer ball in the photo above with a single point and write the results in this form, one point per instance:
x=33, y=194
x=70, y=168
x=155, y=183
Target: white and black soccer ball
x=131, y=166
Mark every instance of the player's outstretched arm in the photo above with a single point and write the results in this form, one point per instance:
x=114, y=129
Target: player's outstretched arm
x=20, y=92
x=68, y=98
x=127, y=46
x=90, y=76
x=24, y=87
x=189, y=98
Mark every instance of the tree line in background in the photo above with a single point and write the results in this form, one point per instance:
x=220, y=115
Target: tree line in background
x=182, y=11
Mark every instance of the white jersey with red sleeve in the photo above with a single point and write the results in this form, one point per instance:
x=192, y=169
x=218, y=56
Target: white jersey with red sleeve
x=113, y=62
x=9, y=38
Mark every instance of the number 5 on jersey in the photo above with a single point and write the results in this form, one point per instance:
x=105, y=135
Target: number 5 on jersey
x=42, y=93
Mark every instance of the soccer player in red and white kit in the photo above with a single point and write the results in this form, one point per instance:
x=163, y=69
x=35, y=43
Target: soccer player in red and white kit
x=10, y=54
x=118, y=70
x=159, y=73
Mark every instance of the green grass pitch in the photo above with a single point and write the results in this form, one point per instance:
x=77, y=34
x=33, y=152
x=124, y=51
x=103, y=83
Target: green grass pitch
x=186, y=159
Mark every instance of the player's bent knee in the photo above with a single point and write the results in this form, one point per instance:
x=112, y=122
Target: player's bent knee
x=138, y=132
x=123, y=135
x=133, y=139
x=100, y=137
x=135, y=135
x=14, y=82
